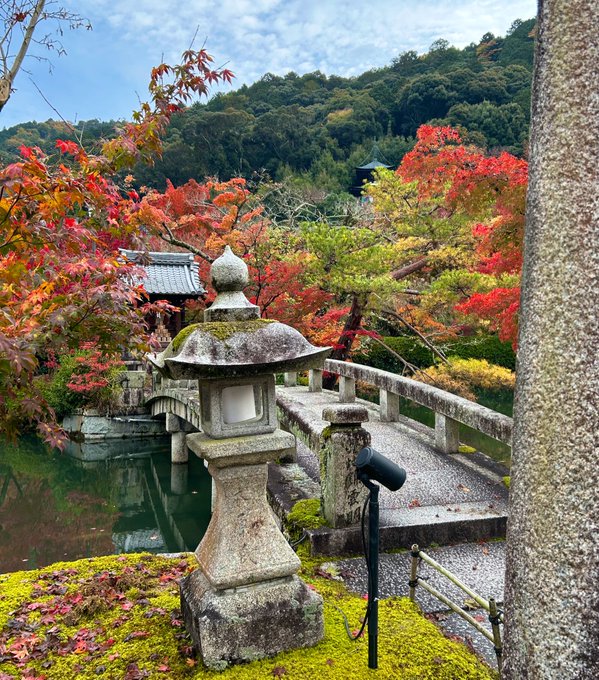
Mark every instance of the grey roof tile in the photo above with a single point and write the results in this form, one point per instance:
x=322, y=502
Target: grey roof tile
x=168, y=273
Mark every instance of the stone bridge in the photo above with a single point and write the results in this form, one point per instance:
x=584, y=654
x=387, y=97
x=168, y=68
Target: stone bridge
x=448, y=497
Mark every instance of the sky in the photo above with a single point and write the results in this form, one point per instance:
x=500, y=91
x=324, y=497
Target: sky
x=105, y=71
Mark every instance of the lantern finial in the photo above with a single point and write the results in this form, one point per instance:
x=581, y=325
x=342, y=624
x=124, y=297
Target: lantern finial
x=229, y=276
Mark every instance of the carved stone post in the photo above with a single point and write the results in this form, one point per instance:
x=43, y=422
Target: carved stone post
x=179, y=475
x=552, y=585
x=342, y=494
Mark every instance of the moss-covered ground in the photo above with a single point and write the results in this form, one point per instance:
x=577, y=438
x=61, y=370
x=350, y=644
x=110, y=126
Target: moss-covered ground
x=118, y=617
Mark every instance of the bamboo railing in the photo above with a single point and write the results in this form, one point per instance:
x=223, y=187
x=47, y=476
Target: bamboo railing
x=494, y=614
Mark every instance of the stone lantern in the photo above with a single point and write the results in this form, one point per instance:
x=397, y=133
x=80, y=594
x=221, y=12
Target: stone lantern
x=245, y=601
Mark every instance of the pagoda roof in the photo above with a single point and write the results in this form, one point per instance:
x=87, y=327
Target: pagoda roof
x=168, y=273
x=372, y=165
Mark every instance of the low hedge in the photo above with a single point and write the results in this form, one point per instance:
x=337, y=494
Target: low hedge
x=412, y=349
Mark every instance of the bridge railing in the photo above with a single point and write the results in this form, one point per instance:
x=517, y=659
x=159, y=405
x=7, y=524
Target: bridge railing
x=450, y=410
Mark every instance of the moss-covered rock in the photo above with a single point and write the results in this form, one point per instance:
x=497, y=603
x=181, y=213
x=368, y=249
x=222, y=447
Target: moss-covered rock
x=118, y=617
x=305, y=514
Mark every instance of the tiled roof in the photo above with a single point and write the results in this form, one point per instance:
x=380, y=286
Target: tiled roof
x=169, y=273
x=372, y=165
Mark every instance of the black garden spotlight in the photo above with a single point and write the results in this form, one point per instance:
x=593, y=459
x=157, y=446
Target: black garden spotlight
x=372, y=466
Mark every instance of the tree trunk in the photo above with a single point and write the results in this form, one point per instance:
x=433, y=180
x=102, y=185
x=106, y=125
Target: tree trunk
x=552, y=584
x=9, y=76
x=353, y=323
x=408, y=269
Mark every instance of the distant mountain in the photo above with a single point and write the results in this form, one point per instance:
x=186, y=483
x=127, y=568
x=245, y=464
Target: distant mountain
x=319, y=127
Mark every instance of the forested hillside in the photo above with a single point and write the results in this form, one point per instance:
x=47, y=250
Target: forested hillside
x=320, y=127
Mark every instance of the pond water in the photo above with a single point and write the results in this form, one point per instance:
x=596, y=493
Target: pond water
x=64, y=506
x=502, y=403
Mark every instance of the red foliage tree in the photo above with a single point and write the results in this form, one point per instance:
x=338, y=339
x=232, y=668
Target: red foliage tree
x=491, y=190
x=62, y=280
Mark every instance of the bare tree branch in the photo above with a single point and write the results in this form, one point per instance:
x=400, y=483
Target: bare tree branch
x=414, y=330
x=27, y=15
x=169, y=237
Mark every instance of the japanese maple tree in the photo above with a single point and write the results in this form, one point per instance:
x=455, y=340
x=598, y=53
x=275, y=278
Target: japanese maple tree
x=62, y=279
x=459, y=216
x=204, y=217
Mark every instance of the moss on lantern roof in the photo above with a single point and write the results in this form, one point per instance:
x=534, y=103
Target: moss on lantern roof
x=222, y=330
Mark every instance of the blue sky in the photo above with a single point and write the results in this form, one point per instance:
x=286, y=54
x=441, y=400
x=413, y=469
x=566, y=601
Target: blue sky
x=105, y=71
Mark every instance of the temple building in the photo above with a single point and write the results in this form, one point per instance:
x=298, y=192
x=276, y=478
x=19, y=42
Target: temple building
x=365, y=173
x=173, y=277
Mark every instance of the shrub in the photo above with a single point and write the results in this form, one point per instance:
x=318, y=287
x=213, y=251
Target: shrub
x=83, y=379
x=412, y=349
x=463, y=376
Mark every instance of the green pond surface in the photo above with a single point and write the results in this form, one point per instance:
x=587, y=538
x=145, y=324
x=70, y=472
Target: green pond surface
x=97, y=499
x=502, y=403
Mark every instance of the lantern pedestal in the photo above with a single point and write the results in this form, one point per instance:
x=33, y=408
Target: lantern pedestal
x=245, y=600
x=248, y=623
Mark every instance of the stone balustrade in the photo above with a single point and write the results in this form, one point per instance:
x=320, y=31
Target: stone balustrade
x=449, y=409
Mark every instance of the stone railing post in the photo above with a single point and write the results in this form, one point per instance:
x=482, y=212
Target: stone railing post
x=179, y=452
x=314, y=380
x=290, y=379
x=389, y=406
x=342, y=494
x=447, y=434
x=347, y=390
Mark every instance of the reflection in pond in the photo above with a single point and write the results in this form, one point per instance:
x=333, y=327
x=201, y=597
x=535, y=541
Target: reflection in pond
x=97, y=499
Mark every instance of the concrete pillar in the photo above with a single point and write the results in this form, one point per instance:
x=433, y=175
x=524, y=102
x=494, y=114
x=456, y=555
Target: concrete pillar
x=290, y=379
x=389, y=406
x=342, y=494
x=179, y=452
x=447, y=434
x=552, y=589
x=314, y=381
x=173, y=423
x=347, y=390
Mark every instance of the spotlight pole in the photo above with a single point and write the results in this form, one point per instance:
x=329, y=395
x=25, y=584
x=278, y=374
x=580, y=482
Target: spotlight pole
x=373, y=570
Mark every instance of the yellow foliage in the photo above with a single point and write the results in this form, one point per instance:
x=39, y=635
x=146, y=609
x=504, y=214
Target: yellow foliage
x=462, y=376
x=339, y=114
